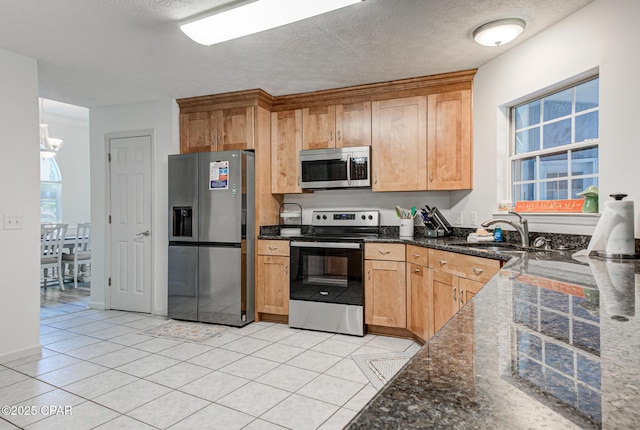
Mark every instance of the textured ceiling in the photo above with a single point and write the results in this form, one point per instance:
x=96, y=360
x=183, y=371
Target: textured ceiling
x=103, y=52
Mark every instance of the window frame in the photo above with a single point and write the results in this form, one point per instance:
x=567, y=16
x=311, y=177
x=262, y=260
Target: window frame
x=58, y=187
x=567, y=149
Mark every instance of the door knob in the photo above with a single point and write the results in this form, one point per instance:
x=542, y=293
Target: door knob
x=146, y=233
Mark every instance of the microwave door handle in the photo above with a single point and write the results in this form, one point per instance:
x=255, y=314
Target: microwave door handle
x=349, y=169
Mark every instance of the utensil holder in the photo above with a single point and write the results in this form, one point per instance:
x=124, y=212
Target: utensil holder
x=406, y=228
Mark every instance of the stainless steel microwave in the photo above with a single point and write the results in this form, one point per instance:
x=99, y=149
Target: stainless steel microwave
x=335, y=168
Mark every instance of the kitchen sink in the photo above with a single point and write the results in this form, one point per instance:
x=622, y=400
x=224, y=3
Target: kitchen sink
x=493, y=247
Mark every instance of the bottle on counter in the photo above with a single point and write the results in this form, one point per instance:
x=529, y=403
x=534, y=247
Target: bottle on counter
x=497, y=234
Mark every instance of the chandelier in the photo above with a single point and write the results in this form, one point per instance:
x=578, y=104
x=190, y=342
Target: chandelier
x=49, y=146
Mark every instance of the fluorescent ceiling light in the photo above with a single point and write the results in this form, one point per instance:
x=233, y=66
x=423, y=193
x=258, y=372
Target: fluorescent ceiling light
x=255, y=17
x=496, y=33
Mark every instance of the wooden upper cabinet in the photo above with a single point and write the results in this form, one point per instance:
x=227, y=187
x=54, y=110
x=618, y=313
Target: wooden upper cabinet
x=319, y=127
x=336, y=126
x=286, y=143
x=399, y=144
x=450, y=153
x=235, y=128
x=195, y=132
x=353, y=124
x=218, y=130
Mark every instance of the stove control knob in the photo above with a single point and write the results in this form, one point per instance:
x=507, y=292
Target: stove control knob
x=324, y=217
x=364, y=217
x=370, y=216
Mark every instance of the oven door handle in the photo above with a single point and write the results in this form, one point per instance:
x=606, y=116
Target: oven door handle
x=349, y=169
x=341, y=245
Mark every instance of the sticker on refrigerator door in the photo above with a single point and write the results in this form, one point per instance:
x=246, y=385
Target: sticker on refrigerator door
x=219, y=175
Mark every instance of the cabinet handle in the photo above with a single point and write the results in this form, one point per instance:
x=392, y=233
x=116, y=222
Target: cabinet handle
x=383, y=252
x=299, y=183
x=416, y=270
x=219, y=140
x=477, y=271
x=453, y=294
x=431, y=176
x=369, y=274
x=339, y=137
x=272, y=248
x=286, y=268
x=375, y=179
x=461, y=297
x=442, y=262
x=416, y=255
x=213, y=141
x=331, y=136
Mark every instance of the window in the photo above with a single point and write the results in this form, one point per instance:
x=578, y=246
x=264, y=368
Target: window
x=50, y=191
x=554, y=153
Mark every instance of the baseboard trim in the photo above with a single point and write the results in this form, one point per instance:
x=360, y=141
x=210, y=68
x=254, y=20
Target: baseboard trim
x=22, y=353
x=97, y=305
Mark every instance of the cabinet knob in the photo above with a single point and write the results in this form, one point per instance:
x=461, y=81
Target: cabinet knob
x=477, y=271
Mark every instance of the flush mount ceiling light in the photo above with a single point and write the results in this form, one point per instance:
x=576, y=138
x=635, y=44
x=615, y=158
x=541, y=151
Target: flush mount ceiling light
x=499, y=32
x=255, y=16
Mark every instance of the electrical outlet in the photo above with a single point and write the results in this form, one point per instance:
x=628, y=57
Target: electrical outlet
x=12, y=222
x=473, y=219
x=457, y=218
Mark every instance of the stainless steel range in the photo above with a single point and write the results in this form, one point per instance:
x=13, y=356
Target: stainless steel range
x=327, y=272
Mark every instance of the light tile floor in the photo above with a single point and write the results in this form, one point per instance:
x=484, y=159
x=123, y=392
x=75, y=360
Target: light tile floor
x=99, y=366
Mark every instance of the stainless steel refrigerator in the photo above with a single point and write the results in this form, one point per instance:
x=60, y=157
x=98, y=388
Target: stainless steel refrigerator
x=211, y=237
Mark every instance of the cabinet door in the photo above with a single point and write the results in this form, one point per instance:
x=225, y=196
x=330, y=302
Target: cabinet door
x=319, y=127
x=385, y=293
x=399, y=144
x=353, y=124
x=445, y=297
x=468, y=289
x=235, y=128
x=196, y=132
x=419, y=302
x=450, y=141
x=272, y=284
x=286, y=143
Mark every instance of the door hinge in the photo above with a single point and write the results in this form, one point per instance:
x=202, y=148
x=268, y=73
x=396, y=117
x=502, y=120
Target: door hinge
x=109, y=281
x=109, y=219
x=109, y=154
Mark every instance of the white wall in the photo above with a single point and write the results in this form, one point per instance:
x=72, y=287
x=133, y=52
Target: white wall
x=19, y=195
x=162, y=117
x=73, y=161
x=604, y=35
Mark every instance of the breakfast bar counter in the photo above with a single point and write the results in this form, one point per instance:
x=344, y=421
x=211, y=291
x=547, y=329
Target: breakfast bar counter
x=549, y=342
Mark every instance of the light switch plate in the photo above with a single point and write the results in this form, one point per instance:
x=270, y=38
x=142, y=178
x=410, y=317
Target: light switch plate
x=457, y=218
x=12, y=222
x=473, y=219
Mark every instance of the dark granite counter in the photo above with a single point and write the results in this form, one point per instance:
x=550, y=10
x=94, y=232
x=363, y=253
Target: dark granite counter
x=547, y=343
x=550, y=342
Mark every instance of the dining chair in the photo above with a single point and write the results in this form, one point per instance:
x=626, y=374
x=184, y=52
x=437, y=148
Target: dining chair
x=80, y=255
x=51, y=244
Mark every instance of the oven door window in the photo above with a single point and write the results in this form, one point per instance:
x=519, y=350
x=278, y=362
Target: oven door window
x=327, y=275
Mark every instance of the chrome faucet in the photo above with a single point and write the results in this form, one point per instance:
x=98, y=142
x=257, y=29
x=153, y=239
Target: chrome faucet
x=521, y=227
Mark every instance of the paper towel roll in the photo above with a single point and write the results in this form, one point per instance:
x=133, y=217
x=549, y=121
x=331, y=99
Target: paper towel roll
x=614, y=234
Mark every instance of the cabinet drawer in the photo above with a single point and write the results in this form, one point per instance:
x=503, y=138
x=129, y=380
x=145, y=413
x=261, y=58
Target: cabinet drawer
x=273, y=247
x=466, y=266
x=417, y=255
x=384, y=251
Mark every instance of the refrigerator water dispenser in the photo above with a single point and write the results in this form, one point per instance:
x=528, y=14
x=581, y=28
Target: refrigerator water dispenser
x=183, y=221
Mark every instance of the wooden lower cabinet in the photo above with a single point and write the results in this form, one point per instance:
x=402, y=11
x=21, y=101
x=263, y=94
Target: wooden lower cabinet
x=444, y=288
x=385, y=291
x=467, y=289
x=419, y=305
x=272, y=277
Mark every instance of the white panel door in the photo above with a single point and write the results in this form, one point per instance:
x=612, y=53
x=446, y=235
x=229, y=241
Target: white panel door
x=131, y=223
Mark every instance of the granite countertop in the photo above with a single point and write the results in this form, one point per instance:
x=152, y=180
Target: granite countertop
x=550, y=342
